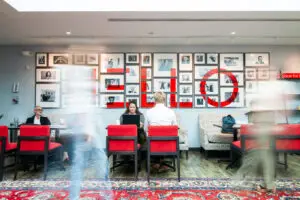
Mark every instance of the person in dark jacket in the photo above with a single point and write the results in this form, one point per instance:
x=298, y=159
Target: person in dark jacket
x=37, y=118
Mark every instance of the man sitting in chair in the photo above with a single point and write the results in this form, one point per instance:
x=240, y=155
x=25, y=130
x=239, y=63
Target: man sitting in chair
x=159, y=115
x=37, y=118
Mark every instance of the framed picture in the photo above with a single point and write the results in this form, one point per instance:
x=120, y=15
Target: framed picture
x=212, y=59
x=171, y=100
x=226, y=81
x=79, y=59
x=48, y=75
x=238, y=101
x=214, y=98
x=185, y=62
x=163, y=85
x=112, y=83
x=47, y=95
x=132, y=58
x=133, y=99
x=232, y=62
x=106, y=99
x=92, y=59
x=79, y=101
x=199, y=102
x=112, y=63
x=251, y=86
x=199, y=58
x=263, y=73
x=150, y=98
x=80, y=88
x=165, y=65
x=250, y=73
x=149, y=73
x=186, y=90
x=211, y=87
x=59, y=59
x=200, y=71
x=149, y=86
x=185, y=99
x=146, y=59
x=132, y=90
x=185, y=77
x=79, y=73
x=257, y=59
x=41, y=60
x=132, y=74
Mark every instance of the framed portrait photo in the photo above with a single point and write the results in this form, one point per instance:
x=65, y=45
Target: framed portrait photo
x=263, y=73
x=201, y=71
x=251, y=87
x=133, y=99
x=238, y=101
x=212, y=58
x=150, y=98
x=59, y=59
x=112, y=83
x=48, y=75
x=186, y=90
x=146, y=59
x=41, y=60
x=132, y=58
x=165, y=65
x=132, y=90
x=200, y=102
x=79, y=59
x=211, y=87
x=226, y=80
x=47, y=95
x=185, y=62
x=92, y=59
x=149, y=86
x=132, y=74
x=185, y=77
x=257, y=59
x=163, y=85
x=112, y=101
x=232, y=62
x=112, y=63
x=199, y=58
x=250, y=73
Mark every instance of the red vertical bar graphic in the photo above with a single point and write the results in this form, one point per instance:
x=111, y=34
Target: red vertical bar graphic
x=173, y=102
x=144, y=103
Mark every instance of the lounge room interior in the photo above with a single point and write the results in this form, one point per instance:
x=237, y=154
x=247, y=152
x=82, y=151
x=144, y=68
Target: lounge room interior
x=149, y=101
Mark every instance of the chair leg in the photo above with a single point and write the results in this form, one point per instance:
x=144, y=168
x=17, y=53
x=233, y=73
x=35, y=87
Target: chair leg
x=135, y=166
x=148, y=167
x=178, y=167
x=2, y=166
x=45, y=166
x=174, y=163
x=285, y=161
x=205, y=154
x=17, y=158
x=187, y=154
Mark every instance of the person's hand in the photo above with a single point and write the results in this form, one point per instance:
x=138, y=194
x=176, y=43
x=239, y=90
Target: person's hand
x=141, y=124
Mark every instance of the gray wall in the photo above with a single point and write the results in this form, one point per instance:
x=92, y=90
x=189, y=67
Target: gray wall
x=13, y=69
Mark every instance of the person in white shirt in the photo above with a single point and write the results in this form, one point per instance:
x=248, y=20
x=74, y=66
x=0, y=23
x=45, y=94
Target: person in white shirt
x=37, y=118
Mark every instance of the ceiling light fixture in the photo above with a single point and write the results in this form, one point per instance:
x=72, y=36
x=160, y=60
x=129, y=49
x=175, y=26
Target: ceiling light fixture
x=68, y=33
x=233, y=33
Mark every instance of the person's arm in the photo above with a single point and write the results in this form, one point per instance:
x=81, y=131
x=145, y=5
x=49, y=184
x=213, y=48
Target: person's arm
x=28, y=120
x=47, y=121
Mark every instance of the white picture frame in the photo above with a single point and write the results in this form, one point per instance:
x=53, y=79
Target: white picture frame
x=185, y=62
x=200, y=71
x=112, y=63
x=49, y=75
x=214, y=98
x=110, y=98
x=212, y=58
x=92, y=59
x=257, y=59
x=146, y=59
x=79, y=59
x=232, y=62
x=165, y=65
x=263, y=73
x=135, y=99
x=132, y=58
x=226, y=81
x=59, y=59
x=251, y=87
x=199, y=102
x=185, y=99
x=185, y=77
x=186, y=90
x=150, y=98
x=148, y=73
x=132, y=90
x=132, y=74
x=149, y=86
x=41, y=59
x=250, y=73
x=163, y=85
x=226, y=93
x=199, y=58
x=212, y=88
x=111, y=83
x=48, y=95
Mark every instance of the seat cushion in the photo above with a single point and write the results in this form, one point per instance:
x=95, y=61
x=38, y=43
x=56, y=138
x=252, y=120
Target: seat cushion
x=11, y=146
x=219, y=137
x=54, y=145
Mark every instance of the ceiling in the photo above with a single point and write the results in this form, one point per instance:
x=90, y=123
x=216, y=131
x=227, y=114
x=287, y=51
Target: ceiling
x=148, y=28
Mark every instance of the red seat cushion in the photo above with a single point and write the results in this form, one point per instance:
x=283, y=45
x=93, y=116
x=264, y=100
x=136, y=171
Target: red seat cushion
x=289, y=145
x=54, y=145
x=11, y=146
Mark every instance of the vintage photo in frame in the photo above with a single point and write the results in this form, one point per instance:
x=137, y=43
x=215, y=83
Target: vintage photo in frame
x=200, y=102
x=251, y=86
x=257, y=59
x=48, y=95
x=186, y=99
x=59, y=59
x=132, y=74
x=146, y=59
x=226, y=80
x=211, y=87
x=232, y=62
x=79, y=59
x=226, y=94
x=111, y=83
x=112, y=63
x=263, y=73
x=212, y=59
x=132, y=58
x=149, y=73
x=199, y=58
x=41, y=60
x=132, y=90
x=48, y=75
x=185, y=62
x=185, y=77
x=92, y=59
x=185, y=90
x=250, y=73
x=165, y=65
x=110, y=99
x=200, y=71
x=163, y=85
x=149, y=86
x=133, y=99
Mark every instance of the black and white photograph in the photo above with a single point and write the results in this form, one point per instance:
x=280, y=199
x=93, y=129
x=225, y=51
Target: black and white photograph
x=149, y=73
x=199, y=102
x=79, y=101
x=185, y=62
x=171, y=100
x=110, y=99
x=213, y=98
x=132, y=58
x=186, y=90
x=185, y=99
x=212, y=59
x=201, y=71
x=150, y=98
x=112, y=63
x=163, y=85
x=257, y=59
x=59, y=59
x=146, y=59
x=48, y=95
x=185, y=77
x=79, y=59
x=132, y=74
x=149, y=86
x=112, y=83
x=226, y=94
x=232, y=62
x=133, y=99
x=225, y=80
x=92, y=59
x=199, y=58
x=250, y=73
x=79, y=73
x=251, y=87
x=165, y=65
x=263, y=73
x=132, y=90
x=48, y=75
x=211, y=87
x=41, y=59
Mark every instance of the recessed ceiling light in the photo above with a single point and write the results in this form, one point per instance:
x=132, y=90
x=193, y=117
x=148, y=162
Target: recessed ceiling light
x=233, y=33
x=68, y=33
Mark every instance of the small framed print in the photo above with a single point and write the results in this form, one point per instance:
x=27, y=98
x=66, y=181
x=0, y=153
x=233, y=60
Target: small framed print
x=112, y=101
x=150, y=98
x=132, y=74
x=186, y=90
x=112, y=63
x=263, y=73
x=48, y=95
x=232, y=62
x=163, y=85
x=185, y=77
x=112, y=83
x=186, y=99
x=250, y=73
x=132, y=58
x=132, y=90
x=165, y=65
x=79, y=59
x=226, y=80
x=211, y=87
x=185, y=62
x=59, y=59
x=257, y=59
x=41, y=60
x=146, y=59
x=200, y=102
x=149, y=86
x=133, y=99
x=226, y=93
x=215, y=99
x=251, y=87
x=201, y=71
x=149, y=73
x=212, y=58
x=92, y=59
x=48, y=75
x=199, y=58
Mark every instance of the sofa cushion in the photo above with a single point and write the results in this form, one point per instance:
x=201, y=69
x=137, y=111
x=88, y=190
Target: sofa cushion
x=220, y=138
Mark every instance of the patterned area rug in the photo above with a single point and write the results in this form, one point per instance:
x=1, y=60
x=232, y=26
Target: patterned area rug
x=157, y=189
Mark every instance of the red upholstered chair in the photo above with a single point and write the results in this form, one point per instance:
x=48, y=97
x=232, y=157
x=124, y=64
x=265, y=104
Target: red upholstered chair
x=163, y=141
x=122, y=140
x=6, y=148
x=34, y=140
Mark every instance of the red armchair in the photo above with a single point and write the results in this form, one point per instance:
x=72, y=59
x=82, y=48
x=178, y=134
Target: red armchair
x=163, y=141
x=122, y=140
x=7, y=148
x=35, y=141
